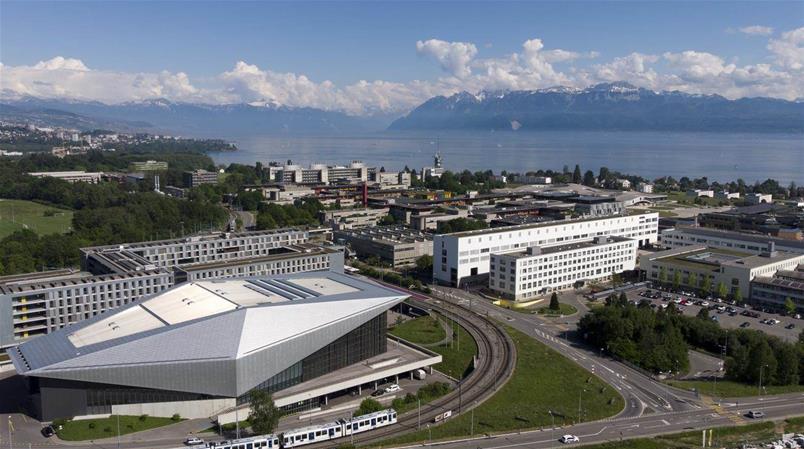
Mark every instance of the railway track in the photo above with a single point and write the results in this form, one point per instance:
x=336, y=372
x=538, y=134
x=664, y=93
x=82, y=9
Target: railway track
x=495, y=364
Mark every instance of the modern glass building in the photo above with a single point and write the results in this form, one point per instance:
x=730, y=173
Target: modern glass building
x=198, y=349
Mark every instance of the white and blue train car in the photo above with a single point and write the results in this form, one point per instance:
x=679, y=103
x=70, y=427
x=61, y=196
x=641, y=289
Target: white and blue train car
x=258, y=442
x=312, y=434
x=368, y=422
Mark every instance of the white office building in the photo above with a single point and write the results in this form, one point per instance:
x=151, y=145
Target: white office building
x=716, y=238
x=465, y=256
x=536, y=270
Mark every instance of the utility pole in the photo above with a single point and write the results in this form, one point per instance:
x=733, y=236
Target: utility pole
x=118, y=431
x=419, y=419
x=553, y=428
x=472, y=425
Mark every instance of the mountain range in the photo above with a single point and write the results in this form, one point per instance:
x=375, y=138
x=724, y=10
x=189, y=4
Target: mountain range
x=201, y=120
x=608, y=107
x=612, y=106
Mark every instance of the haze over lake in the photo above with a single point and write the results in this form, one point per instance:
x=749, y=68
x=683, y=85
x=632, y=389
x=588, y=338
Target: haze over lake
x=718, y=156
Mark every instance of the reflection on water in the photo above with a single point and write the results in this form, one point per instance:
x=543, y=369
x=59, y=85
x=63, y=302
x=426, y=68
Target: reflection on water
x=718, y=156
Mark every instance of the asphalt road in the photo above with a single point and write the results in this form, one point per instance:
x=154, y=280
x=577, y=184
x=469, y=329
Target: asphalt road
x=646, y=426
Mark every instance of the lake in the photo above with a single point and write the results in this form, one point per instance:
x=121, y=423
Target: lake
x=718, y=156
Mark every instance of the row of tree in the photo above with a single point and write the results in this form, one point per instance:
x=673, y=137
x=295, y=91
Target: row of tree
x=658, y=341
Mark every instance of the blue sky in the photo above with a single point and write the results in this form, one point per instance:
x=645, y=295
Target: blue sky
x=345, y=42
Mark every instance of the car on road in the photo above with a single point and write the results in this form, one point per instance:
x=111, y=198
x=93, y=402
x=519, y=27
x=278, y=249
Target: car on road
x=393, y=388
x=755, y=414
x=48, y=431
x=566, y=439
x=192, y=441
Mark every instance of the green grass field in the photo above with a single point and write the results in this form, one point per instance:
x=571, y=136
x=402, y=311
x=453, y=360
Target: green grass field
x=543, y=381
x=17, y=214
x=721, y=437
x=456, y=356
x=731, y=389
x=94, y=429
x=423, y=330
x=563, y=309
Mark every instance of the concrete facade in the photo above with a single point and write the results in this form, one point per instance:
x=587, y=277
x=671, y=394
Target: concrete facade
x=465, y=256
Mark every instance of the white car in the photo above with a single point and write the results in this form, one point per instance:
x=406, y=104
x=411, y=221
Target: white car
x=566, y=439
x=705, y=304
x=393, y=388
x=193, y=441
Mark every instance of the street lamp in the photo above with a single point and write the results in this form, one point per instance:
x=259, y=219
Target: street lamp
x=760, y=378
x=553, y=428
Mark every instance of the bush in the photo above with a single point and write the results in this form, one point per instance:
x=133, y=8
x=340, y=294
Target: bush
x=176, y=417
x=107, y=429
x=143, y=417
x=91, y=425
x=368, y=405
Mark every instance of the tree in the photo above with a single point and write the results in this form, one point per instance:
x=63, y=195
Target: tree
x=554, y=304
x=589, y=178
x=425, y=263
x=722, y=291
x=703, y=313
x=576, y=175
x=676, y=279
x=387, y=220
x=737, y=295
x=368, y=405
x=616, y=279
x=706, y=287
x=662, y=275
x=264, y=415
x=790, y=306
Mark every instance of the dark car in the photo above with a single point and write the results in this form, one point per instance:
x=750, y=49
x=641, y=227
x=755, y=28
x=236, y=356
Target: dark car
x=745, y=324
x=48, y=431
x=790, y=326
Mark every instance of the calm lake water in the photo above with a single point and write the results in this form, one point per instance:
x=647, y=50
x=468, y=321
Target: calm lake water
x=718, y=156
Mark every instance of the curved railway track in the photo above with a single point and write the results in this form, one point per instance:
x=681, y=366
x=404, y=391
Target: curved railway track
x=495, y=364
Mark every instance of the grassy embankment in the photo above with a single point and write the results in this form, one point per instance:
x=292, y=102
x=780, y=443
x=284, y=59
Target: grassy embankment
x=543, y=381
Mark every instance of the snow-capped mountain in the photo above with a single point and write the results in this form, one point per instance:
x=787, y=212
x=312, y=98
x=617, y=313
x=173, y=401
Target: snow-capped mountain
x=610, y=106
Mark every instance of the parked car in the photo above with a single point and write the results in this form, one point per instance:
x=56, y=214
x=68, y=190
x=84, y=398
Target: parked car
x=393, y=388
x=48, y=431
x=704, y=303
x=378, y=393
x=790, y=326
x=755, y=414
x=745, y=324
x=569, y=439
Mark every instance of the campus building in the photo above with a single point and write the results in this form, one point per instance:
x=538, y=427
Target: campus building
x=199, y=348
x=699, y=266
x=773, y=291
x=395, y=244
x=750, y=243
x=464, y=256
x=536, y=270
x=339, y=219
x=71, y=176
x=197, y=177
x=291, y=173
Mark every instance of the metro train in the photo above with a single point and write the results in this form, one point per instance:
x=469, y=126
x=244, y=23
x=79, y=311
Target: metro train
x=311, y=434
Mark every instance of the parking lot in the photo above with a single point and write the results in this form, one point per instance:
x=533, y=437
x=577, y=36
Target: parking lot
x=726, y=314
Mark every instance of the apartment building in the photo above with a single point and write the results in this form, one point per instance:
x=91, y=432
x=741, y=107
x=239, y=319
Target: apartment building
x=201, y=248
x=536, y=270
x=197, y=177
x=465, y=256
x=283, y=260
x=39, y=303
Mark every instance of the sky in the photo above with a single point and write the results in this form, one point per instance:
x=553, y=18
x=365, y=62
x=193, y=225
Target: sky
x=388, y=57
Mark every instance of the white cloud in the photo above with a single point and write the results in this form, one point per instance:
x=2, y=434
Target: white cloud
x=453, y=57
x=789, y=49
x=533, y=66
x=757, y=30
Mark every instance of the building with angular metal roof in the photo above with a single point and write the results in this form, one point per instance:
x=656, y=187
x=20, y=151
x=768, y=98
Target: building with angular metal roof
x=199, y=348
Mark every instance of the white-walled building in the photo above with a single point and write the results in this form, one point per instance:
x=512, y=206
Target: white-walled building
x=697, y=193
x=536, y=270
x=726, y=195
x=645, y=187
x=465, y=256
x=758, y=198
x=752, y=243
